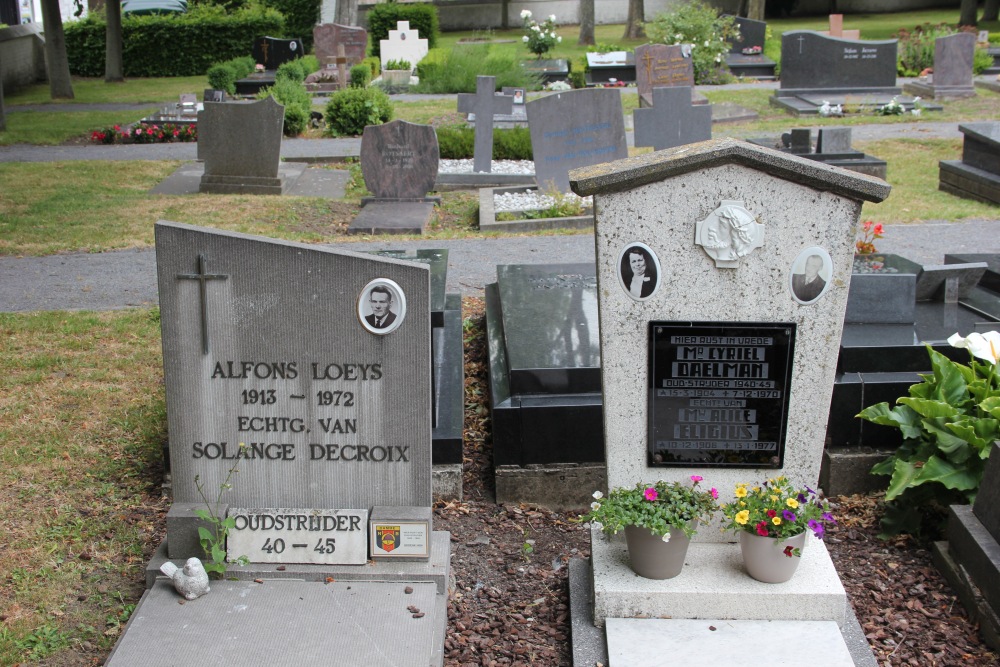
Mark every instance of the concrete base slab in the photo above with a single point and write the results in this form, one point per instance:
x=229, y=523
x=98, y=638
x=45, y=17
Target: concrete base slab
x=847, y=470
x=929, y=91
x=435, y=570
x=300, y=180
x=637, y=642
x=559, y=486
x=714, y=584
x=409, y=217
x=282, y=622
x=981, y=612
x=991, y=83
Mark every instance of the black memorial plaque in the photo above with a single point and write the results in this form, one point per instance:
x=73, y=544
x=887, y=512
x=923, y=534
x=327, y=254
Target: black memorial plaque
x=718, y=394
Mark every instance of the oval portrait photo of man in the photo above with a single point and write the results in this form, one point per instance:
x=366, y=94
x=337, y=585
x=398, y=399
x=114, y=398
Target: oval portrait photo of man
x=381, y=306
x=639, y=271
x=811, y=272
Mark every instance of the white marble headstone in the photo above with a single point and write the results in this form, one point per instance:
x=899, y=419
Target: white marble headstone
x=403, y=44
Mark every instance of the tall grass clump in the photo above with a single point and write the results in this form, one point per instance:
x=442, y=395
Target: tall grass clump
x=455, y=71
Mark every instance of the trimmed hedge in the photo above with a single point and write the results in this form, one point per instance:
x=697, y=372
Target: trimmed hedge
x=351, y=109
x=176, y=45
x=301, y=16
x=383, y=17
x=457, y=142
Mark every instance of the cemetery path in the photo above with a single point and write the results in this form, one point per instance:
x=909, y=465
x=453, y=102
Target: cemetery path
x=127, y=278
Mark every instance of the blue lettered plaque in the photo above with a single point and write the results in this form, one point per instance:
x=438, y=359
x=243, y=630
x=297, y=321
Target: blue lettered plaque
x=718, y=394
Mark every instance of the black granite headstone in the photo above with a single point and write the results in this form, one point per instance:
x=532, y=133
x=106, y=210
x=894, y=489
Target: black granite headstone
x=811, y=62
x=752, y=34
x=272, y=52
x=719, y=393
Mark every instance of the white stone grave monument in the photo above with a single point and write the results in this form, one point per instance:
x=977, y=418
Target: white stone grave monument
x=403, y=44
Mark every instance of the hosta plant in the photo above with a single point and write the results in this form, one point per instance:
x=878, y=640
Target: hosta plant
x=949, y=422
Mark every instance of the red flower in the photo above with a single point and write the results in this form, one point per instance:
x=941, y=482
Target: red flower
x=762, y=529
x=788, y=551
x=771, y=514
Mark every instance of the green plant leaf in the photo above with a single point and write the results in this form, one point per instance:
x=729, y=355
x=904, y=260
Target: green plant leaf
x=929, y=408
x=978, y=432
x=203, y=515
x=951, y=384
x=205, y=535
x=991, y=405
x=218, y=555
x=903, y=475
x=884, y=467
x=947, y=474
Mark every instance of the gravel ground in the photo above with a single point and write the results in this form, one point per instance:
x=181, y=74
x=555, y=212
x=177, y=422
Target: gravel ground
x=511, y=601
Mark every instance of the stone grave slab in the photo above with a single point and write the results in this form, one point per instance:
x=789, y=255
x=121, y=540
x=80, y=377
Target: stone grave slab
x=977, y=175
x=403, y=43
x=833, y=147
x=991, y=277
x=484, y=104
x=327, y=37
x=272, y=52
x=672, y=120
x=636, y=642
x=393, y=217
x=300, y=180
x=574, y=129
x=952, y=77
x=285, y=623
x=610, y=67
x=817, y=65
x=254, y=83
x=232, y=164
x=660, y=66
x=550, y=70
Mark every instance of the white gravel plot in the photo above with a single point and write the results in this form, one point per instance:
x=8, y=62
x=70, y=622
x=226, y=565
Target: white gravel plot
x=499, y=167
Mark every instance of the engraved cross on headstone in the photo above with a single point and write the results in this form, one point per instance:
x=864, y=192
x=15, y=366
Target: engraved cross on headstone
x=484, y=103
x=202, y=277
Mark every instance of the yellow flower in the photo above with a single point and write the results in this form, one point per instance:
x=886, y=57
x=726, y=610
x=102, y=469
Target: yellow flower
x=776, y=520
x=756, y=489
x=743, y=503
x=792, y=502
x=777, y=489
x=774, y=499
x=741, y=492
x=743, y=517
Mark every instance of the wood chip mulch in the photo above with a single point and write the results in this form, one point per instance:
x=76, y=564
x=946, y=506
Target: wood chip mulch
x=510, y=604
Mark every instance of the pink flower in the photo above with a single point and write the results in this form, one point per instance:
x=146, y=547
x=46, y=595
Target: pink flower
x=696, y=478
x=651, y=494
x=715, y=493
x=762, y=529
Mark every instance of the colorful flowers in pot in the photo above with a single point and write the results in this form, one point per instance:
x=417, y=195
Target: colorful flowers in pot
x=777, y=509
x=658, y=507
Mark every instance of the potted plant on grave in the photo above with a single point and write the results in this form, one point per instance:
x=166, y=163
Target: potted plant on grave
x=883, y=287
x=773, y=520
x=397, y=72
x=659, y=520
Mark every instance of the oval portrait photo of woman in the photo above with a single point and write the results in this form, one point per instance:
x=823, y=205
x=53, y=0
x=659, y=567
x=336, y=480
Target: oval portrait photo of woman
x=639, y=271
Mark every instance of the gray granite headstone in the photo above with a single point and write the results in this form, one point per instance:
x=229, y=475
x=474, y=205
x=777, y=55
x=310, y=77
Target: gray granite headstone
x=752, y=34
x=813, y=62
x=660, y=65
x=834, y=140
x=672, y=120
x=265, y=343
x=399, y=160
x=953, y=55
x=232, y=162
x=328, y=36
x=988, y=498
x=574, y=129
x=484, y=103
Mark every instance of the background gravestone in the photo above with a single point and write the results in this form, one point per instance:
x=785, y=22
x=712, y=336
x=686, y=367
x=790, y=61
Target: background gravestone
x=399, y=162
x=234, y=165
x=660, y=65
x=952, y=76
x=977, y=174
x=746, y=56
x=811, y=62
x=328, y=36
x=272, y=52
x=672, y=120
x=484, y=104
x=575, y=129
x=403, y=44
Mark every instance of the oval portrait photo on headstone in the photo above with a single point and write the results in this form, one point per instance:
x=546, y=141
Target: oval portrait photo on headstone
x=639, y=271
x=381, y=306
x=810, y=276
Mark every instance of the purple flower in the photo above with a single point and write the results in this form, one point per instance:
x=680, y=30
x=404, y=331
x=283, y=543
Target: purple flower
x=817, y=528
x=829, y=517
x=802, y=498
x=811, y=492
x=789, y=515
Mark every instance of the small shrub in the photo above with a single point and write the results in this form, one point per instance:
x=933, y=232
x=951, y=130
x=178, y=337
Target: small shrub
x=539, y=38
x=981, y=59
x=374, y=64
x=309, y=64
x=222, y=77
x=383, y=17
x=455, y=71
x=296, y=120
x=350, y=110
x=915, y=49
x=398, y=65
x=297, y=104
x=361, y=76
x=578, y=78
x=291, y=70
x=457, y=142
x=711, y=35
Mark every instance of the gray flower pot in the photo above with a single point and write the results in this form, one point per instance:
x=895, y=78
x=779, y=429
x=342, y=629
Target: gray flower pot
x=765, y=559
x=653, y=558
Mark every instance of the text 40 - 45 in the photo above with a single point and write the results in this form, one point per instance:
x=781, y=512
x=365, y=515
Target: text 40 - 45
x=277, y=545
x=342, y=398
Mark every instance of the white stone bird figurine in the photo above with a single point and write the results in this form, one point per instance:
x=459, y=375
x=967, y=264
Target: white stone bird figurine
x=191, y=581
